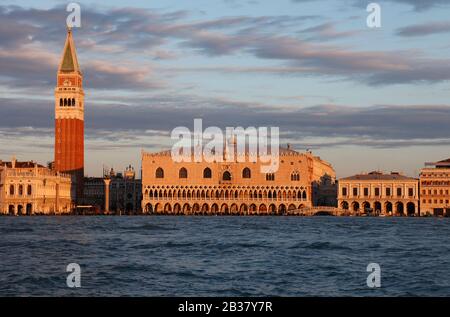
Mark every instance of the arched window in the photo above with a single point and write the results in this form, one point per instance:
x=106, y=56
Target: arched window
x=226, y=176
x=246, y=173
x=295, y=176
x=60, y=102
x=270, y=177
x=11, y=190
x=183, y=173
x=29, y=190
x=69, y=102
x=65, y=102
x=159, y=173
x=207, y=173
x=73, y=102
x=20, y=190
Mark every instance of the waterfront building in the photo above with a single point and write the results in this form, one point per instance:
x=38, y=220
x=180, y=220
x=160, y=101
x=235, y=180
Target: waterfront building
x=115, y=193
x=435, y=189
x=27, y=188
x=387, y=194
x=69, y=116
x=230, y=186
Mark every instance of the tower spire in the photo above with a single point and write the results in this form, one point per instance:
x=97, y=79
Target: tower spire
x=69, y=60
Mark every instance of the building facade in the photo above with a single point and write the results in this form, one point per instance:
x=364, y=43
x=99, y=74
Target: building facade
x=115, y=193
x=375, y=192
x=324, y=186
x=228, y=187
x=27, y=188
x=69, y=116
x=435, y=189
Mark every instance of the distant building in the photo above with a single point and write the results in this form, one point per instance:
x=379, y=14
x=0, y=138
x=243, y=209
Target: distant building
x=230, y=186
x=389, y=194
x=27, y=188
x=122, y=189
x=435, y=189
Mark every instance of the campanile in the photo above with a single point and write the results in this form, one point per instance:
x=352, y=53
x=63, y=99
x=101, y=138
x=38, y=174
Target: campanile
x=69, y=116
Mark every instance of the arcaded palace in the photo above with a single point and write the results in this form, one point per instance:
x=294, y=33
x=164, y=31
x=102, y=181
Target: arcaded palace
x=375, y=192
x=28, y=188
x=230, y=187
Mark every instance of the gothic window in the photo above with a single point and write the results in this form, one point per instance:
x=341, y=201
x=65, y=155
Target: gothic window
x=246, y=173
x=11, y=190
x=60, y=102
x=270, y=177
x=183, y=173
x=159, y=173
x=20, y=190
x=73, y=102
x=65, y=102
x=207, y=173
x=226, y=176
x=29, y=190
x=295, y=176
x=69, y=102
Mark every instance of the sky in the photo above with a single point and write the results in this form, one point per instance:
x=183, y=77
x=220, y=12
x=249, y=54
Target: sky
x=361, y=98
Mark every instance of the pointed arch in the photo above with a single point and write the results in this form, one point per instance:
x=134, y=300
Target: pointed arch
x=226, y=176
x=207, y=173
x=183, y=173
x=159, y=173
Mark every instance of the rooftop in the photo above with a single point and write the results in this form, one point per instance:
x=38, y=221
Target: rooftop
x=440, y=164
x=377, y=175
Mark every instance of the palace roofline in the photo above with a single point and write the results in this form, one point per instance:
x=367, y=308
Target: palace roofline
x=282, y=151
x=17, y=164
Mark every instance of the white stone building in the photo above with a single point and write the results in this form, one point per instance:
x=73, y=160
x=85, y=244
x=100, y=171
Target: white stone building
x=28, y=188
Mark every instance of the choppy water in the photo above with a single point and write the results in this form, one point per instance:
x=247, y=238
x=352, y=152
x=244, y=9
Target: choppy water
x=224, y=256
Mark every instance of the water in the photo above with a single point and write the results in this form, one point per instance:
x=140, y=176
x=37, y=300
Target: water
x=224, y=256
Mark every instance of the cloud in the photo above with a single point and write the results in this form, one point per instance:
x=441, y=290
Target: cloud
x=424, y=29
x=418, y=5
x=378, y=126
x=112, y=36
x=327, y=31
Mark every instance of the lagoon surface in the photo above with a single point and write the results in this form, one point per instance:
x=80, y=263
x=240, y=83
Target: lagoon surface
x=224, y=256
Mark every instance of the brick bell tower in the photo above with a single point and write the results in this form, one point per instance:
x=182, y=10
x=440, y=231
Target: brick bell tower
x=69, y=117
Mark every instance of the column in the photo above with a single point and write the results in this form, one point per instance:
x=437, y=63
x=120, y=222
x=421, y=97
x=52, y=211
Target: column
x=107, y=182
